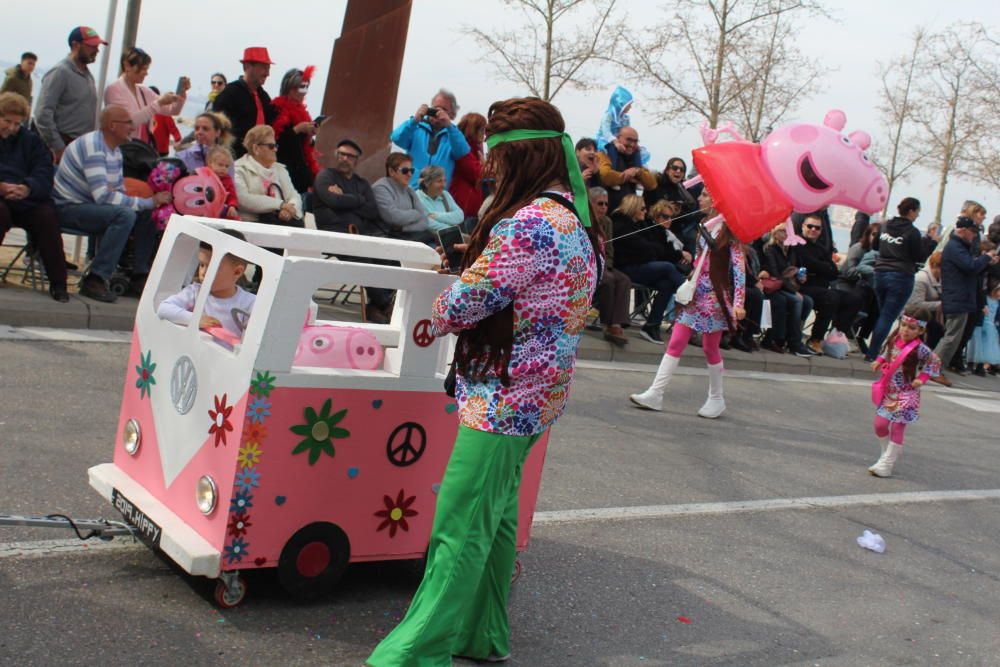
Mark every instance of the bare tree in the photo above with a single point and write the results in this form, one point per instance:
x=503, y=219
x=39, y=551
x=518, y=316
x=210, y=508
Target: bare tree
x=541, y=52
x=898, y=157
x=954, y=109
x=715, y=59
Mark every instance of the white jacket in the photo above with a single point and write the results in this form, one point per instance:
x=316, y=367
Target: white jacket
x=263, y=190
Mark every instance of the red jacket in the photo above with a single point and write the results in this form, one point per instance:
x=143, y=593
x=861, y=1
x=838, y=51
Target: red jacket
x=164, y=128
x=465, y=186
x=231, y=200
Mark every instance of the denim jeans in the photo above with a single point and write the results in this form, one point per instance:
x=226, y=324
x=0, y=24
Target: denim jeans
x=892, y=289
x=113, y=224
x=664, y=277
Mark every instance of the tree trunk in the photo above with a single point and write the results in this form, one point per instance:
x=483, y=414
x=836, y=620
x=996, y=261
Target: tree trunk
x=949, y=153
x=720, y=56
x=903, y=113
x=548, y=51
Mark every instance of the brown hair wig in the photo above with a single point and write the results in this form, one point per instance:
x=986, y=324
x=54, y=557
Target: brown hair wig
x=721, y=273
x=523, y=169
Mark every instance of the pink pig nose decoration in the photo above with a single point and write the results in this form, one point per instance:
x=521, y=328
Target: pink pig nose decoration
x=800, y=167
x=328, y=346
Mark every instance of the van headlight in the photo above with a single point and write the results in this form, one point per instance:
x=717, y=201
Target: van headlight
x=206, y=494
x=131, y=436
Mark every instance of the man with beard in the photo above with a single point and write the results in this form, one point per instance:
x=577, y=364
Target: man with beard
x=67, y=102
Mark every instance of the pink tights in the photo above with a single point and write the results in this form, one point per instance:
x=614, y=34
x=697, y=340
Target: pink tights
x=681, y=334
x=894, y=430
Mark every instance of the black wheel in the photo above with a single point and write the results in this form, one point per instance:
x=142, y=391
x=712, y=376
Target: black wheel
x=227, y=599
x=313, y=561
x=518, y=570
x=118, y=285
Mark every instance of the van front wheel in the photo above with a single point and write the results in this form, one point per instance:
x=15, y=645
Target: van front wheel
x=313, y=561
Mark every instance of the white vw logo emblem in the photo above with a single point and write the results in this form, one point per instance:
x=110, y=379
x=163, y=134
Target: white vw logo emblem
x=183, y=385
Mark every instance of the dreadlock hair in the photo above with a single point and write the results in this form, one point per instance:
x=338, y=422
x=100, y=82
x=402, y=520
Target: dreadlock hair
x=909, y=365
x=721, y=273
x=523, y=170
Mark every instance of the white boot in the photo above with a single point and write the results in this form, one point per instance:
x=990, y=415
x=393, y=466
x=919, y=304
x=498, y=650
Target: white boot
x=883, y=443
x=715, y=405
x=883, y=468
x=652, y=398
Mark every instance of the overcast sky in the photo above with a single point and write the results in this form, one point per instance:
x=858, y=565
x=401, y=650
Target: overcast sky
x=196, y=38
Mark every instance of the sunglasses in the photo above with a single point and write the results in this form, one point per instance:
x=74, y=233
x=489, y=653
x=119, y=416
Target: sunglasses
x=406, y=171
x=304, y=88
x=272, y=146
x=812, y=226
x=216, y=82
x=676, y=167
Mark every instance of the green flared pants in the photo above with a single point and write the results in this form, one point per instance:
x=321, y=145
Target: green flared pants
x=460, y=607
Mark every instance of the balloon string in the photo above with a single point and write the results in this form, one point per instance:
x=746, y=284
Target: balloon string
x=655, y=224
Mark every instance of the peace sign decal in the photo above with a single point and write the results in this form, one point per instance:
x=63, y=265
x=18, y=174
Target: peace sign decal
x=406, y=444
x=422, y=335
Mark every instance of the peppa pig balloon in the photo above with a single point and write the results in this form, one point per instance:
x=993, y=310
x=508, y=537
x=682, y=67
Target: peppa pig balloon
x=800, y=167
x=329, y=346
x=201, y=193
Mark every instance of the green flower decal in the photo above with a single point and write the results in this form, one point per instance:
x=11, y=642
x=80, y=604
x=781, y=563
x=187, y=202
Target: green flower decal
x=145, y=369
x=262, y=384
x=319, y=431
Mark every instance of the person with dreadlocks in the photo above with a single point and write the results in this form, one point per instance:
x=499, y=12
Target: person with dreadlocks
x=716, y=307
x=906, y=364
x=519, y=308
x=294, y=129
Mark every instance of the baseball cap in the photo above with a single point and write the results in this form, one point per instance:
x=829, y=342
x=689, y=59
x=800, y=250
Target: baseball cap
x=85, y=35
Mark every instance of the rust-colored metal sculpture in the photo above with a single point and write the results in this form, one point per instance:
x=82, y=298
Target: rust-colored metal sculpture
x=361, y=88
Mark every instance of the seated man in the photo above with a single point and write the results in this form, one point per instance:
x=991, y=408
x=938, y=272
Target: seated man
x=90, y=197
x=621, y=169
x=430, y=137
x=832, y=304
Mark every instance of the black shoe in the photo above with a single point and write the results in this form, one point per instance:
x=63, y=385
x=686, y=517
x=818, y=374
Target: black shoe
x=980, y=371
x=726, y=342
x=136, y=285
x=773, y=346
x=959, y=370
x=803, y=351
x=652, y=334
x=59, y=293
x=94, y=287
x=737, y=343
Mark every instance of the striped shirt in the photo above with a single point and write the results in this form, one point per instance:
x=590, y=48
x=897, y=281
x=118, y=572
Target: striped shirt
x=91, y=173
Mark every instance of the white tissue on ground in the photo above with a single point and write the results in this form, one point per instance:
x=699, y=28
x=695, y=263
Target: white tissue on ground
x=873, y=541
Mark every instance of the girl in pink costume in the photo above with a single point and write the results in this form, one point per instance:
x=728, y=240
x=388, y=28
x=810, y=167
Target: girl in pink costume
x=717, y=306
x=901, y=403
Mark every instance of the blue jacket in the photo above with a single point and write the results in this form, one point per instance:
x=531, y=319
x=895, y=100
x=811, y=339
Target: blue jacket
x=960, y=277
x=25, y=159
x=414, y=138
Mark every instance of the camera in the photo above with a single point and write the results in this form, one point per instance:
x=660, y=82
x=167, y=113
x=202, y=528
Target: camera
x=432, y=112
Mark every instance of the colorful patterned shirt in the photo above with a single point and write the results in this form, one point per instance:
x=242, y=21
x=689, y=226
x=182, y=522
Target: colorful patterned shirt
x=902, y=400
x=541, y=260
x=703, y=313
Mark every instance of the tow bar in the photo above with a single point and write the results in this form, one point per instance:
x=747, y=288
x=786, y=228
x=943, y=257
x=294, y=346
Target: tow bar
x=102, y=529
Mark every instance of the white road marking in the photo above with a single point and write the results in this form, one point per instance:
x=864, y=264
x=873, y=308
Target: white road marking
x=45, y=548
x=741, y=506
x=977, y=404
x=64, y=335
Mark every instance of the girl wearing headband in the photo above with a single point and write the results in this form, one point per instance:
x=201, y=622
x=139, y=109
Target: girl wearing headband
x=911, y=364
x=519, y=308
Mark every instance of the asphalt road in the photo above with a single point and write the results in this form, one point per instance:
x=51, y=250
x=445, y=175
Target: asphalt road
x=716, y=584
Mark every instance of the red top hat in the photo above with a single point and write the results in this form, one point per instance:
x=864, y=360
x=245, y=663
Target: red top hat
x=256, y=54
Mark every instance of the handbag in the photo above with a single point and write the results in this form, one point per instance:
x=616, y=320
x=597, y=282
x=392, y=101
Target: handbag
x=685, y=292
x=771, y=284
x=880, y=386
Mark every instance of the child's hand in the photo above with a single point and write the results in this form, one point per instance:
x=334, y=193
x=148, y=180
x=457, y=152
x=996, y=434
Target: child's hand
x=876, y=365
x=233, y=214
x=918, y=383
x=207, y=322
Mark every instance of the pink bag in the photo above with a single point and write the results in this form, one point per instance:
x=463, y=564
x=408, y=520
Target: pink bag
x=879, y=386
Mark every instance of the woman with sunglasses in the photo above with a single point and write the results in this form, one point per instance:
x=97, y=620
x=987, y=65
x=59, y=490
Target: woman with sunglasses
x=294, y=128
x=399, y=207
x=139, y=100
x=218, y=83
x=670, y=186
x=263, y=186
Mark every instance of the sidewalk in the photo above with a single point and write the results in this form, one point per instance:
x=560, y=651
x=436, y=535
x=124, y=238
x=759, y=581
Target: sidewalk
x=20, y=306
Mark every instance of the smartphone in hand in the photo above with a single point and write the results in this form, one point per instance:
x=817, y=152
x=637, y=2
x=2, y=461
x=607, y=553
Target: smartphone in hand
x=181, y=85
x=448, y=238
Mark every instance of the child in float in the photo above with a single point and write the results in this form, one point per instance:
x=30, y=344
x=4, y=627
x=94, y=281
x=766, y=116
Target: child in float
x=220, y=160
x=901, y=403
x=983, y=349
x=224, y=297
x=519, y=308
x=716, y=307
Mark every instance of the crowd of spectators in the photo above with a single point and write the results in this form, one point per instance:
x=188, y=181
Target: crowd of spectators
x=62, y=172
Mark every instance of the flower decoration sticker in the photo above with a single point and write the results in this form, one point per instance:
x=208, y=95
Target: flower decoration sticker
x=259, y=410
x=220, y=420
x=249, y=455
x=236, y=550
x=395, y=513
x=238, y=524
x=262, y=384
x=145, y=369
x=319, y=431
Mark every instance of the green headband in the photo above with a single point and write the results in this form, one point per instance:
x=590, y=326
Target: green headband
x=572, y=166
